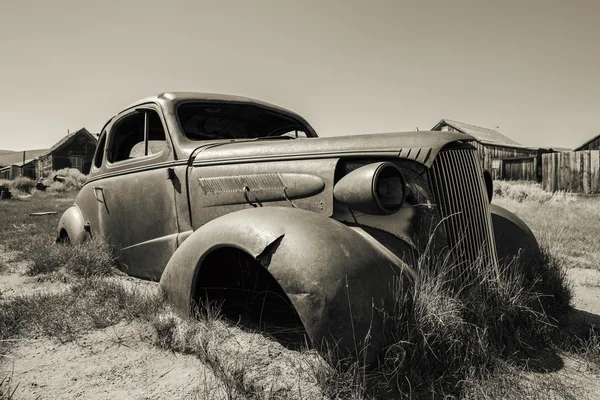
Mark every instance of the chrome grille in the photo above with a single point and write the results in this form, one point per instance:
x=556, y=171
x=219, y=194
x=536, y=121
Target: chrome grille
x=456, y=180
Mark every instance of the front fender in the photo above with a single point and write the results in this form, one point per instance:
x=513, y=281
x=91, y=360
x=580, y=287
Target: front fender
x=72, y=223
x=513, y=236
x=338, y=278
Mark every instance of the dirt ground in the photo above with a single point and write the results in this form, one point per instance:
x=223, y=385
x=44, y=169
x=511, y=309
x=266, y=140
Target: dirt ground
x=112, y=363
x=119, y=362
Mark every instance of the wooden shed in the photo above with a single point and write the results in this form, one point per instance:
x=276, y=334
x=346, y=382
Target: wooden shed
x=75, y=150
x=592, y=144
x=505, y=158
x=16, y=170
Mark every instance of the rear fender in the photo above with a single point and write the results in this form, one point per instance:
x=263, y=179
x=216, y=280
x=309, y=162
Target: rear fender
x=72, y=224
x=338, y=278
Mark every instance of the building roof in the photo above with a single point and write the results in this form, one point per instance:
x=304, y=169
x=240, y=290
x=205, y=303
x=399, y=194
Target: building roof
x=587, y=142
x=67, y=139
x=483, y=135
x=20, y=164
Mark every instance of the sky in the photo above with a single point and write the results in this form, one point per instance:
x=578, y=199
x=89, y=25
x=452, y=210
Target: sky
x=531, y=68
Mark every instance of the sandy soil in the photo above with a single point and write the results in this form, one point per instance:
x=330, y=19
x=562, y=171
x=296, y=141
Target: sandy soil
x=113, y=363
x=586, y=283
x=14, y=282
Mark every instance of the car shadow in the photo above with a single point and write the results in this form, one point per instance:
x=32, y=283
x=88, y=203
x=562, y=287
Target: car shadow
x=542, y=360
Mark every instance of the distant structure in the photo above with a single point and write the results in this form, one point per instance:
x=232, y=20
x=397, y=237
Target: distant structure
x=505, y=158
x=16, y=170
x=592, y=144
x=76, y=150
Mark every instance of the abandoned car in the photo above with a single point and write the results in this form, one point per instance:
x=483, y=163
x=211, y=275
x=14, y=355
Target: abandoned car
x=235, y=201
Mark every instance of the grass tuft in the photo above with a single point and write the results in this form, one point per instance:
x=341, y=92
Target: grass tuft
x=87, y=259
x=88, y=304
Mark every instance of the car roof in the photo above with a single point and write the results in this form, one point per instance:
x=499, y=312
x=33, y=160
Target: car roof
x=199, y=96
x=177, y=97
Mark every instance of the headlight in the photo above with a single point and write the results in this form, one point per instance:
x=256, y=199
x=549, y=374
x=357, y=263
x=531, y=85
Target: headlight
x=377, y=188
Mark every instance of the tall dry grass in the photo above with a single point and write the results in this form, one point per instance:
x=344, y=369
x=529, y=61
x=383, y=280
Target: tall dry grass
x=568, y=225
x=521, y=191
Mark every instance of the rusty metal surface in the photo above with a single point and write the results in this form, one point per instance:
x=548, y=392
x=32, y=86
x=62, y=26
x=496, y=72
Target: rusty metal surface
x=334, y=257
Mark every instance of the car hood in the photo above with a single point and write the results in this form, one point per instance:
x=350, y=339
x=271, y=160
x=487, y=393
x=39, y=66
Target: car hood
x=418, y=146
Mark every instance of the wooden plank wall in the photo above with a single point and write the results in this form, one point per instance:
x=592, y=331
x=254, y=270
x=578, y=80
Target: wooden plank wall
x=523, y=169
x=576, y=171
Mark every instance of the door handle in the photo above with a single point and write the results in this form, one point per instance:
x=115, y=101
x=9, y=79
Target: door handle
x=171, y=174
x=98, y=193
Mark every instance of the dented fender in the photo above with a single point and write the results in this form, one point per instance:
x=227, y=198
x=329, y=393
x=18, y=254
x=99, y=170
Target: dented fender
x=513, y=236
x=339, y=279
x=73, y=224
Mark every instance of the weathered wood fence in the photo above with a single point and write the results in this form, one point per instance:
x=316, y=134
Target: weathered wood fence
x=518, y=169
x=576, y=171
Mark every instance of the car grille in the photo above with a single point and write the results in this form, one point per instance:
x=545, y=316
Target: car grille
x=456, y=180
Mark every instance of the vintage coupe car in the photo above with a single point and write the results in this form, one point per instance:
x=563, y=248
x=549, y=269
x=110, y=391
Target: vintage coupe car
x=236, y=201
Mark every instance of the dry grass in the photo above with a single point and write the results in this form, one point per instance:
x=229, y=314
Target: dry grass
x=91, y=258
x=567, y=225
x=521, y=191
x=87, y=304
x=249, y=364
x=7, y=386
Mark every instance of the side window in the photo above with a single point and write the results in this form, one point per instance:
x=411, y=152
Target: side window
x=127, y=139
x=138, y=135
x=100, y=150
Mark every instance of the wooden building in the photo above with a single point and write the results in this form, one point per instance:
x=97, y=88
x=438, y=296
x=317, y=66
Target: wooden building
x=505, y=158
x=592, y=144
x=75, y=150
x=16, y=170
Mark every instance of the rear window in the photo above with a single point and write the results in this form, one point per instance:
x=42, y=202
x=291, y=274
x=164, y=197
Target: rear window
x=202, y=121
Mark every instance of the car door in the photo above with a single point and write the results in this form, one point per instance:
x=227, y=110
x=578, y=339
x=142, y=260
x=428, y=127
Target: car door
x=137, y=194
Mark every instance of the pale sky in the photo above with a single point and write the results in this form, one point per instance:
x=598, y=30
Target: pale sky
x=530, y=68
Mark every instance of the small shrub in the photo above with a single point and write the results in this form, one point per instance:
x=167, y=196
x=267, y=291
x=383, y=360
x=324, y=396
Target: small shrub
x=74, y=180
x=23, y=184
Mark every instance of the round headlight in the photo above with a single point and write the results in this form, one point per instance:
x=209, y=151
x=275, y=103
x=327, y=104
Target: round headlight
x=376, y=188
x=389, y=188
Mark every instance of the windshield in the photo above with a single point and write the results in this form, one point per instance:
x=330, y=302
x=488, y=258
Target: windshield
x=202, y=121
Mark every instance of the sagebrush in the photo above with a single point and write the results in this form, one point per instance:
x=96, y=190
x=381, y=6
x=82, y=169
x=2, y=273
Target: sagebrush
x=73, y=180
